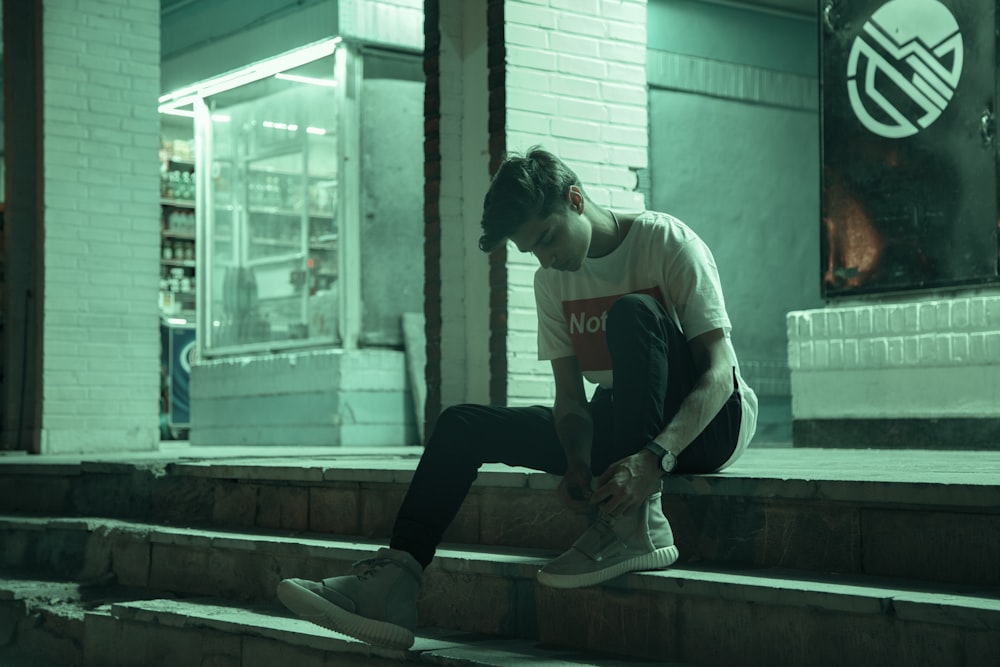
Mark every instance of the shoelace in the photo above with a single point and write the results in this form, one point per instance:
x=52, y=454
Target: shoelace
x=606, y=537
x=369, y=567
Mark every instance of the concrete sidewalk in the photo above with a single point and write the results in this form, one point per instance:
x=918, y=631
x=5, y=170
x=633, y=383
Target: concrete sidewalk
x=761, y=462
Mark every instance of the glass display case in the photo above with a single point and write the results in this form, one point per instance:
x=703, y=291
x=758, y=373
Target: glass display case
x=308, y=200
x=269, y=156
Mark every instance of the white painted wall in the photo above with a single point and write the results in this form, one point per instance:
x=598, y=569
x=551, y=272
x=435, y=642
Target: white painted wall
x=734, y=152
x=464, y=179
x=102, y=232
x=744, y=174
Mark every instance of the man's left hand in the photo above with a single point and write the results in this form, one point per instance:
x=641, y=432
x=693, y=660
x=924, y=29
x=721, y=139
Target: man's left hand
x=626, y=484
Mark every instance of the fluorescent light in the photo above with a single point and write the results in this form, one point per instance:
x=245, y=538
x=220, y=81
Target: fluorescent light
x=174, y=107
x=316, y=130
x=329, y=83
x=252, y=73
x=270, y=124
x=166, y=109
x=172, y=110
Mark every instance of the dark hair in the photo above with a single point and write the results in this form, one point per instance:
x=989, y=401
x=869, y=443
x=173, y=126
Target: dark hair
x=534, y=184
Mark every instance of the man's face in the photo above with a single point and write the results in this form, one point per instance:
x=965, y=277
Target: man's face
x=559, y=241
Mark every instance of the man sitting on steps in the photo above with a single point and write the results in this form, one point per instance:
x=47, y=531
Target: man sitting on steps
x=633, y=303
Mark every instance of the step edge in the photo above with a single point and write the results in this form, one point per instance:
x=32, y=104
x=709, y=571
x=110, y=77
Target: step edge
x=968, y=495
x=434, y=643
x=863, y=594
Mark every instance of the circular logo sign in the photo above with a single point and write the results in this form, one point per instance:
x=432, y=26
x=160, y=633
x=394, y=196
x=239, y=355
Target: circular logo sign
x=904, y=67
x=187, y=356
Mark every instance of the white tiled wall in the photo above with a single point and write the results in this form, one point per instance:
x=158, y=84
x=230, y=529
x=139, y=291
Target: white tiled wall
x=926, y=358
x=311, y=398
x=576, y=83
x=101, y=337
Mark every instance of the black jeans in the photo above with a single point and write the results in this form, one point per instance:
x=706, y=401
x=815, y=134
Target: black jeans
x=653, y=373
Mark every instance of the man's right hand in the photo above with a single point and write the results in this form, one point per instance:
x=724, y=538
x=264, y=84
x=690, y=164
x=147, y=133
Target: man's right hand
x=574, y=489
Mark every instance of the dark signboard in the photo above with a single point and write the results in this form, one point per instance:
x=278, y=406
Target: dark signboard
x=909, y=147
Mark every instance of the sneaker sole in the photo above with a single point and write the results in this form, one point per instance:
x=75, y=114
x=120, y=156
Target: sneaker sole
x=655, y=560
x=320, y=611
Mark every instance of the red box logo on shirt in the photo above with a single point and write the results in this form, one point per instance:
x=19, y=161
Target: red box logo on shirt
x=588, y=321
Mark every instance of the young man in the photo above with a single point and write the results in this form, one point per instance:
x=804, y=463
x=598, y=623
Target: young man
x=631, y=302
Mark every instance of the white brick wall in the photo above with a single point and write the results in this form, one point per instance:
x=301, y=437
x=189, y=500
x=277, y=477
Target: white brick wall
x=576, y=83
x=101, y=339
x=920, y=358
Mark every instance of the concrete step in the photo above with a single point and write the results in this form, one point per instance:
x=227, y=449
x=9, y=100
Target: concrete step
x=263, y=636
x=191, y=632
x=41, y=623
x=689, y=614
x=42, y=620
x=466, y=589
x=906, y=514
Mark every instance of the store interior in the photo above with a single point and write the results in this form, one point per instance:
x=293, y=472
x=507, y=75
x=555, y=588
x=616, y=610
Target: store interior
x=252, y=198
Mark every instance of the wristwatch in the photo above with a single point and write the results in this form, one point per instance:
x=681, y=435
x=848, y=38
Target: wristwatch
x=666, y=459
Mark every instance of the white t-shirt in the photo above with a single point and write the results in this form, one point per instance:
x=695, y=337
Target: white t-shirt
x=659, y=256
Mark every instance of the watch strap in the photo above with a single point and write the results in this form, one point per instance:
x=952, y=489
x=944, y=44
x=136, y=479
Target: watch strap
x=667, y=460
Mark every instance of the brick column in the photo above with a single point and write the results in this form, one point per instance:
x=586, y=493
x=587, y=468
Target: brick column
x=498, y=275
x=22, y=260
x=100, y=372
x=432, y=211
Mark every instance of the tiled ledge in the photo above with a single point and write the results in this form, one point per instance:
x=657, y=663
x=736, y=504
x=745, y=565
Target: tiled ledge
x=916, y=363
x=963, y=331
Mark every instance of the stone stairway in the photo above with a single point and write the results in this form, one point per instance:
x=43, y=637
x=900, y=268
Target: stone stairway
x=791, y=557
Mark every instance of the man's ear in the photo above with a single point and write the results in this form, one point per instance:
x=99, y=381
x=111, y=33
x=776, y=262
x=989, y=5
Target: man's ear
x=575, y=198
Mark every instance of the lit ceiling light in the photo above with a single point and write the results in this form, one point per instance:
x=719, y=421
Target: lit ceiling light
x=166, y=109
x=280, y=126
x=174, y=106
